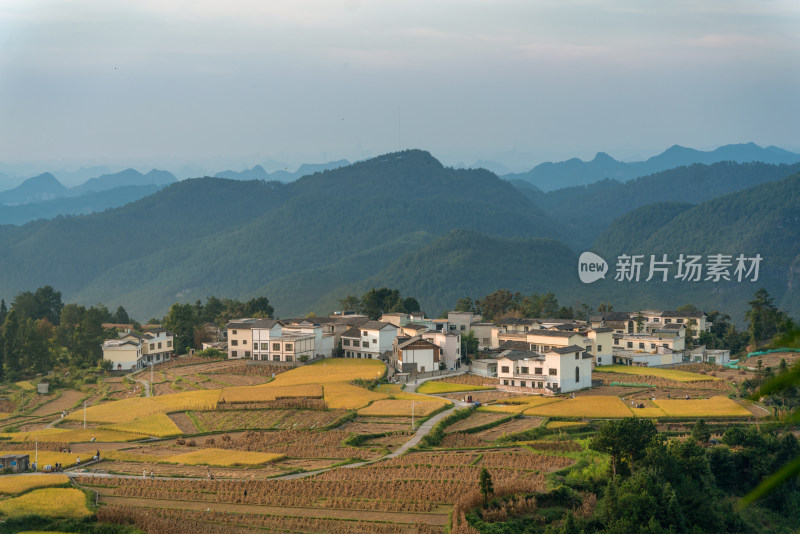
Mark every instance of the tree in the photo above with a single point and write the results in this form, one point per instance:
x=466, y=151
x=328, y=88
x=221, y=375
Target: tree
x=350, y=303
x=764, y=318
x=121, y=316
x=625, y=440
x=465, y=304
x=469, y=344
x=701, y=432
x=181, y=320
x=486, y=485
x=258, y=306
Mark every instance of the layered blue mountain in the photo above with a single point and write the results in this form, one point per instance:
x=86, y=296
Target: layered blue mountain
x=573, y=172
x=36, y=189
x=258, y=172
x=404, y=220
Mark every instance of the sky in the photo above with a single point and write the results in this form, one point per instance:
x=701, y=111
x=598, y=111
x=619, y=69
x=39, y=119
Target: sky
x=202, y=86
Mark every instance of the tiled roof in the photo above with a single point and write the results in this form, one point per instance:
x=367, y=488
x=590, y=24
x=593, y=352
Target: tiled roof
x=517, y=355
x=375, y=325
x=352, y=332
x=514, y=345
x=567, y=350
x=693, y=314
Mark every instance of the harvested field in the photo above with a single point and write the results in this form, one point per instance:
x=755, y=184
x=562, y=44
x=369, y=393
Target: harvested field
x=68, y=400
x=218, y=379
x=481, y=396
x=184, y=423
x=299, y=444
x=476, y=419
x=511, y=427
x=359, y=426
x=389, y=407
x=224, y=421
x=772, y=360
x=390, y=442
x=193, y=471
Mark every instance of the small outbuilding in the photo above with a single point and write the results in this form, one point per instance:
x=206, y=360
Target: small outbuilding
x=17, y=463
x=43, y=388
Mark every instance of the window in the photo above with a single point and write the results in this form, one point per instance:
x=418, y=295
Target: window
x=247, y=354
x=234, y=342
x=576, y=354
x=159, y=344
x=652, y=345
x=523, y=370
x=276, y=358
x=265, y=346
x=504, y=369
x=234, y=332
x=169, y=343
x=288, y=358
x=599, y=348
x=365, y=344
x=346, y=342
x=630, y=344
x=276, y=346
x=233, y=354
x=505, y=382
x=244, y=342
x=641, y=345
x=577, y=374
x=464, y=327
x=356, y=343
x=665, y=345
x=679, y=320
x=539, y=384
x=588, y=348
x=537, y=370
x=553, y=372
x=364, y=333
x=152, y=346
x=667, y=321
x=522, y=383
x=288, y=346
x=486, y=341
x=374, y=340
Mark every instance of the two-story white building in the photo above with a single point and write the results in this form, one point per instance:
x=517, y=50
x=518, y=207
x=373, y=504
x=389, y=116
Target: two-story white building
x=272, y=340
x=415, y=355
x=559, y=370
x=369, y=340
x=450, y=343
x=133, y=351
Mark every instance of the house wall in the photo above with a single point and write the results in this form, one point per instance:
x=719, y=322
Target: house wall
x=240, y=343
x=129, y=357
x=423, y=357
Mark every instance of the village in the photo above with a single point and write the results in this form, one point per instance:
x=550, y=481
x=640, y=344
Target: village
x=529, y=356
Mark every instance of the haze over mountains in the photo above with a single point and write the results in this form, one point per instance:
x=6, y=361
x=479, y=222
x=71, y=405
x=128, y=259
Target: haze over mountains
x=404, y=220
x=573, y=172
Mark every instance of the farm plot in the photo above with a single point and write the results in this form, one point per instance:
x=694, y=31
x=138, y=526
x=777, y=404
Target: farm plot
x=372, y=425
x=433, y=387
x=588, y=407
x=474, y=420
x=300, y=444
x=48, y=502
x=228, y=420
x=68, y=399
x=520, y=424
x=669, y=374
x=390, y=407
x=396, y=495
x=13, y=485
x=518, y=404
x=714, y=407
x=190, y=471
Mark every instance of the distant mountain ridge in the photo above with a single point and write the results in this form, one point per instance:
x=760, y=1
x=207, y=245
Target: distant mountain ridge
x=258, y=172
x=573, y=172
x=36, y=189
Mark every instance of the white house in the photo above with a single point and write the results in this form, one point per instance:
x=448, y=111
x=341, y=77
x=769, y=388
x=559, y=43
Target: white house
x=559, y=370
x=415, y=355
x=272, y=340
x=450, y=343
x=134, y=351
x=369, y=340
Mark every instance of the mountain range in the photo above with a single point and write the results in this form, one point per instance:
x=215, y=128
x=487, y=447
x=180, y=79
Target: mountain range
x=404, y=220
x=574, y=172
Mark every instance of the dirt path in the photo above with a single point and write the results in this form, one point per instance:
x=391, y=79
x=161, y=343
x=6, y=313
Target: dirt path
x=257, y=509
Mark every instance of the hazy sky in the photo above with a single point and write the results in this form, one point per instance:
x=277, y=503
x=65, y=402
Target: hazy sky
x=235, y=83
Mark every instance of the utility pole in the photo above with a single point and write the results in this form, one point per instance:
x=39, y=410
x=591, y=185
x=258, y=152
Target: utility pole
x=412, y=414
x=84, y=414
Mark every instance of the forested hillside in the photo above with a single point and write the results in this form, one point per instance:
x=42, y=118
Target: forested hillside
x=586, y=211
